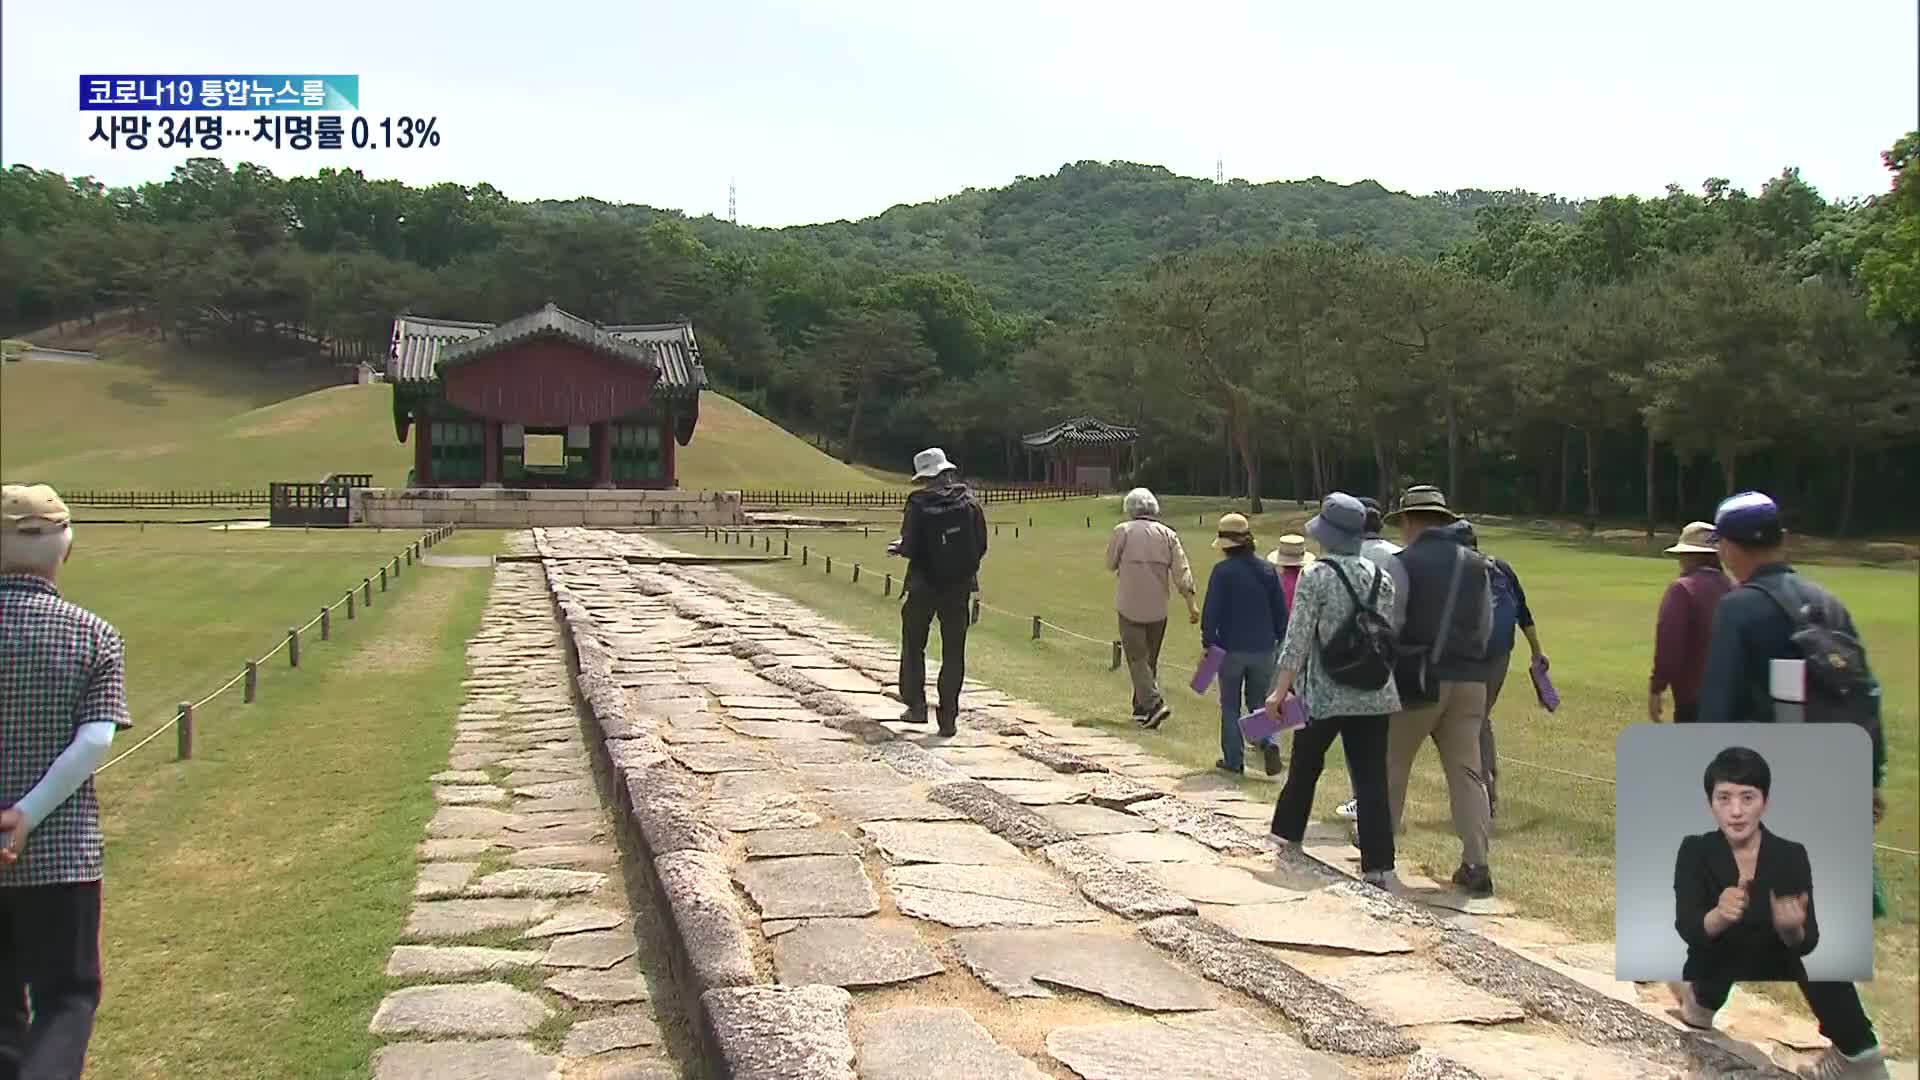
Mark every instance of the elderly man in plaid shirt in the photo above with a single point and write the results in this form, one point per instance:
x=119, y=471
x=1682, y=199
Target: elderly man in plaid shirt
x=62, y=697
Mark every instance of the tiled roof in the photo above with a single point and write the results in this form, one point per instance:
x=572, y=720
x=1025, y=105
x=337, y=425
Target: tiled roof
x=421, y=346
x=674, y=351
x=417, y=343
x=1081, y=431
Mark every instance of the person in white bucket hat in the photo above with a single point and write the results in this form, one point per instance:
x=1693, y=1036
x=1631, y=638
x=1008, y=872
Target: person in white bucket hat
x=943, y=537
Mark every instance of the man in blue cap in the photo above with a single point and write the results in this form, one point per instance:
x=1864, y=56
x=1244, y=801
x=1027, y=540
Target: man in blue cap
x=1753, y=625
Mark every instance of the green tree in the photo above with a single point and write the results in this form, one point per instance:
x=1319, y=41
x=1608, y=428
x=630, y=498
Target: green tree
x=1890, y=261
x=866, y=355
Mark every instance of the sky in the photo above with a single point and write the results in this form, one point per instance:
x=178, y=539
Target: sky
x=842, y=108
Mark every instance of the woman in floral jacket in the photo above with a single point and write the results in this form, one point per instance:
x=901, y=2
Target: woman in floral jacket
x=1321, y=604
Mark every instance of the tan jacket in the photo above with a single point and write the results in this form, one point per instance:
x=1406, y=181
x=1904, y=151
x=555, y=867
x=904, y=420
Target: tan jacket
x=1147, y=559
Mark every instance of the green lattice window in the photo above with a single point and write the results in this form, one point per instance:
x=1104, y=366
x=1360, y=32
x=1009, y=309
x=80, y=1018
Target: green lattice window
x=636, y=453
x=459, y=452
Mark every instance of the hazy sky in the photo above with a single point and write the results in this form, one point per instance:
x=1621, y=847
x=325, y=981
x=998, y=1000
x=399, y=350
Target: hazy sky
x=841, y=108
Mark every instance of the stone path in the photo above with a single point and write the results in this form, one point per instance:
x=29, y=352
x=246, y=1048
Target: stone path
x=520, y=957
x=855, y=898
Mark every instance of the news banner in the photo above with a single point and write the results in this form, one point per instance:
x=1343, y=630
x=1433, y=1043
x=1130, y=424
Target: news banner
x=196, y=112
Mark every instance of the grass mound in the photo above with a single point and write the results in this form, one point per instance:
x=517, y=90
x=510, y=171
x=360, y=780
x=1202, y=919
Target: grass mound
x=152, y=416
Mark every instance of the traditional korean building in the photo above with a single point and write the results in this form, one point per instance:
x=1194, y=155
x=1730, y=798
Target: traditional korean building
x=547, y=400
x=1084, y=453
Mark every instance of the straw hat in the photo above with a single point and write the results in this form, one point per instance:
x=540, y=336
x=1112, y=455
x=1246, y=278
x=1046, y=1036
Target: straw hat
x=1291, y=552
x=1695, y=539
x=1424, y=499
x=1234, y=532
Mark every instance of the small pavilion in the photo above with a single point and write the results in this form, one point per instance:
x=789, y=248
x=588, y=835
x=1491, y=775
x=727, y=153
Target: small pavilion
x=547, y=400
x=1085, y=453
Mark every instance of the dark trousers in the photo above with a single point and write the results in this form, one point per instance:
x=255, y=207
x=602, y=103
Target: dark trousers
x=1836, y=1005
x=1365, y=740
x=1686, y=714
x=49, y=979
x=922, y=605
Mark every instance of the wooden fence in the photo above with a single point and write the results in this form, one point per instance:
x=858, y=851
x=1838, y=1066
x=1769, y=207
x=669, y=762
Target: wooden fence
x=889, y=500
x=163, y=500
x=851, y=500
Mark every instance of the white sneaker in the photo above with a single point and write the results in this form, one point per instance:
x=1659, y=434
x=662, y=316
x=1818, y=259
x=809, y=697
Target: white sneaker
x=1834, y=1065
x=1692, y=1013
x=1349, y=810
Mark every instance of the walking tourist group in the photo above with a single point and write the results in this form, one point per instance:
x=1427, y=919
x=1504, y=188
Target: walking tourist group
x=1383, y=645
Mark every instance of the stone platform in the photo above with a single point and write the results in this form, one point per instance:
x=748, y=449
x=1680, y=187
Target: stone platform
x=856, y=899
x=542, y=507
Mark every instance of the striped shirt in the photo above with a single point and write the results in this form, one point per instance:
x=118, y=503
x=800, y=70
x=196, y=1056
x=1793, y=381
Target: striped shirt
x=61, y=666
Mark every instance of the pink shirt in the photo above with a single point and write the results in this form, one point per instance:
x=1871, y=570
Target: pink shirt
x=1289, y=577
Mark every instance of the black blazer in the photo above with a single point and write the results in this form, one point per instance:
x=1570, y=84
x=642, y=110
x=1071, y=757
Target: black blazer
x=1749, y=950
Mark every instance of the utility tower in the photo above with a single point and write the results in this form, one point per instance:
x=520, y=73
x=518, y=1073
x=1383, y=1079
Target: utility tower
x=1220, y=169
x=733, y=211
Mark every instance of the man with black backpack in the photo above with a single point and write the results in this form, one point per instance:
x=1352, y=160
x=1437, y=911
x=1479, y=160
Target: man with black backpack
x=1775, y=614
x=943, y=538
x=1442, y=673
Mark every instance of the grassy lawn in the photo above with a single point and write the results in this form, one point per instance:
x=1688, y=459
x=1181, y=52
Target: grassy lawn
x=252, y=893
x=1553, y=850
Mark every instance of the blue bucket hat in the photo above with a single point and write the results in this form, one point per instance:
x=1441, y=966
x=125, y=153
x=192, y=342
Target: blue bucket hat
x=1339, y=526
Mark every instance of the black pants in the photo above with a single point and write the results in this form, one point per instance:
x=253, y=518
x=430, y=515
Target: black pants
x=1365, y=740
x=1836, y=1005
x=49, y=969
x=917, y=612
x=1686, y=714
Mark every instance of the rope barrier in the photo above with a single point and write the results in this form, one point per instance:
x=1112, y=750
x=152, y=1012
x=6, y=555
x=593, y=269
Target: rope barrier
x=1505, y=760
x=984, y=606
x=174, y=718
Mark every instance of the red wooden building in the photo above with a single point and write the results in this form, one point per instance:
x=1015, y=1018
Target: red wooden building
x=545, y=400
x=1085, y=453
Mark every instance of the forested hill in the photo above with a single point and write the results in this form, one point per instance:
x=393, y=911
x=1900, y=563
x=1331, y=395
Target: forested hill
x=1050, y=244
x=1631, y=355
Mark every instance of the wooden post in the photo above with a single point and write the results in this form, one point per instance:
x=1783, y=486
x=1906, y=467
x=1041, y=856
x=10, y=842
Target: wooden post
x=786, y=546
x=183, y=730
x=803, y=554
x=253, y=681
x=1016, y=532
x=366, y=591
x=1116, y=657
x=887, y=589
x=829, y=566
x=326, y=624
x=293, y=646
x=409, y=554
x=1036, y=628
x=976, y=611
x=863, y=532
x=383, y=579
x=349, y=605
x=996, y=528
x=856, y=573
x=1089, y=521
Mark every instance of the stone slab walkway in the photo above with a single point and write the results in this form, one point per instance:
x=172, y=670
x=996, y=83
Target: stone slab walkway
x=857, y=898
x=519, y=960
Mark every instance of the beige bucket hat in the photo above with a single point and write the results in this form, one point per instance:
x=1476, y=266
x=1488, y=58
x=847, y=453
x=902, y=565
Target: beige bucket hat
x=1695, y=539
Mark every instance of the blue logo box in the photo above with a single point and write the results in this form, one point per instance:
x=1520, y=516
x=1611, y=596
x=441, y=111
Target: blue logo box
x=214, y=93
